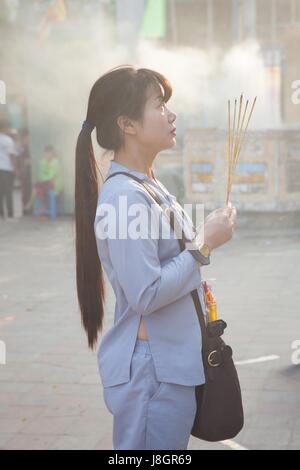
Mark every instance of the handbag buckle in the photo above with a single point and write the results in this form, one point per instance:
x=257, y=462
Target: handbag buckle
x=210, y=359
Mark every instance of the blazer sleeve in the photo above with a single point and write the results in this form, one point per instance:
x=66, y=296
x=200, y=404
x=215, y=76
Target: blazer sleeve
x=147, y=284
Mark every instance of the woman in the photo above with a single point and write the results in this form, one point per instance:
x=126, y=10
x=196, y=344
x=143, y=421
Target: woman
x=150, y=359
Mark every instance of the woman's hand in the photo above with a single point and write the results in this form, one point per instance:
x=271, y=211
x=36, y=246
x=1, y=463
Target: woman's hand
x=219, y=226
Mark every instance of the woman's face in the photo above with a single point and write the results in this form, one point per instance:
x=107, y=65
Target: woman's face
x=155, y=131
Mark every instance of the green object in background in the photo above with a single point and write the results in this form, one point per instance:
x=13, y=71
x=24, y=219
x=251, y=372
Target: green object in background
x=50, y=170
x=153, y=24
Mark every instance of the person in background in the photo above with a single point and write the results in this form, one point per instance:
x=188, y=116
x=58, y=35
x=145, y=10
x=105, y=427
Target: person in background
x=25, y=171
x=49, y=184
x=8, y=170
x=14, y=134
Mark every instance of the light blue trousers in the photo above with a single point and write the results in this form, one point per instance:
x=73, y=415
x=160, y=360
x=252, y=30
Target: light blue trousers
x=148, y=414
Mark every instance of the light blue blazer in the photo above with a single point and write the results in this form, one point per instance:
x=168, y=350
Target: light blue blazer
x=153, y=279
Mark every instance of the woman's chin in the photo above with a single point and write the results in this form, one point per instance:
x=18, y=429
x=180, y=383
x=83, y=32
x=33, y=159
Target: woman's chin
x=173, y=141
x=170, y=144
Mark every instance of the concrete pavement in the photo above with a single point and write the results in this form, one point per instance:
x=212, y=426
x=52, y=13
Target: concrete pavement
x=50, y=391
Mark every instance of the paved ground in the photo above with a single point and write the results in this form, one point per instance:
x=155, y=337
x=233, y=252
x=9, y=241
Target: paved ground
x=50, y=391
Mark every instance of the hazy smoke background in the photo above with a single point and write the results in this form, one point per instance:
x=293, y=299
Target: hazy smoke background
x=60, y=65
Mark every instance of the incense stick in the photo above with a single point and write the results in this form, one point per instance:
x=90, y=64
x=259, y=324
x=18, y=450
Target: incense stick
x=247, y=124
x=235, y=147
x=229, y=148
x=236, y=138
x=230, y=162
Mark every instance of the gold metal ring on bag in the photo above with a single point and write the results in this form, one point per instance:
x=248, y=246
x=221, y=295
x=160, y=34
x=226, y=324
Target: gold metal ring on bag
x=210, y=359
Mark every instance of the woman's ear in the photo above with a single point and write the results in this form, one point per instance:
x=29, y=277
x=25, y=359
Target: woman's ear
x=126, y=125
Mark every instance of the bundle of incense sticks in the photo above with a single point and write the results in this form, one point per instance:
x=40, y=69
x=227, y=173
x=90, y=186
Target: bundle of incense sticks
x=236, y=137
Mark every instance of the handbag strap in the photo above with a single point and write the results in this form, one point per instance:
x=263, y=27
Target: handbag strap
x=182, y=241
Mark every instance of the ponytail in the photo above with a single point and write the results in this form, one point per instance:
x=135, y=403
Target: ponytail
x=89, y=274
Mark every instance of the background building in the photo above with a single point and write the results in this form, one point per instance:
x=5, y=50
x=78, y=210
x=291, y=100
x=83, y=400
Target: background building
x=52, y=50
